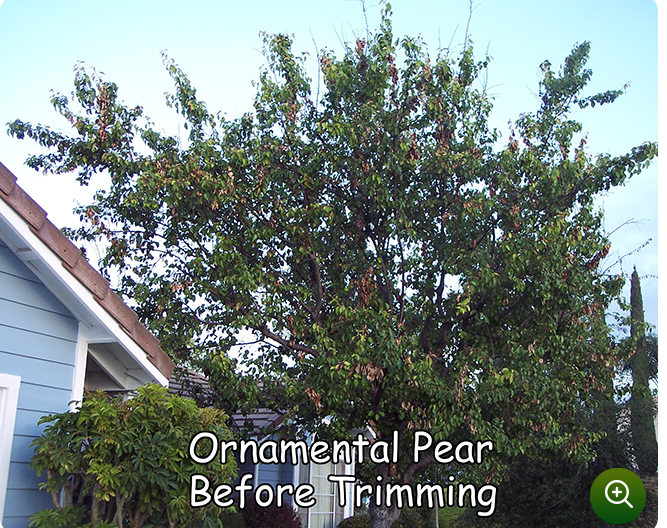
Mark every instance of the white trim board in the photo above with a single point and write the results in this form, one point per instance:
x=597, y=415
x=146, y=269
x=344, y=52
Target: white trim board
x=9, y=396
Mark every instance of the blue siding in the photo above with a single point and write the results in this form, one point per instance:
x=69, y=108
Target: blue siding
x=21, y=450
x=24, y=503
x=275, y=474
x=17, y=341
x=37, y=342
x=23, y=477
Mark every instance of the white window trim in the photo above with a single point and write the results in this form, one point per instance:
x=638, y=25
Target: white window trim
x=9, y=396
x=345, y=512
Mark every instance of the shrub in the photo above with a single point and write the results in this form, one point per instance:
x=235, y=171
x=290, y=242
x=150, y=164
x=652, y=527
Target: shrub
x=272, y=516
x=60, y=518
x=232, y=519
x=449, y=516
x=409, y=519
x=356, y=521
x=126, y=463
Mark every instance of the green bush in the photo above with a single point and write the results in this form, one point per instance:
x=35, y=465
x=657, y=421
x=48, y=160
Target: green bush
x=409, y=519
x=649, y=515
x=448, y=516
x=61, y=518
x=271, y=516
x=356, y=521
x=126, y=464
x=232, y=519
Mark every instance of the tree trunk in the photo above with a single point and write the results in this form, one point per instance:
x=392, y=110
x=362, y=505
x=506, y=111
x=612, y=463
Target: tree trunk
x=383, y=517
x=95, y=511
x=120, y=511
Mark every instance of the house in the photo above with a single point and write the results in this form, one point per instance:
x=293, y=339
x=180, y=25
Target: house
x=326, y=513
x=62, y=330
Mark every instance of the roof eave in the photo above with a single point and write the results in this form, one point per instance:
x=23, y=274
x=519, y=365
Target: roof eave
x=81, y=288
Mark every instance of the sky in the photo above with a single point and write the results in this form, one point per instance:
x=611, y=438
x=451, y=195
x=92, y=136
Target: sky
x=217, y=44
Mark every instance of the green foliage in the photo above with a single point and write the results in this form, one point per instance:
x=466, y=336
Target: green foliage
x=649, y=516
x=579, y=514
x=356, y=521
x=549, y=490
x=126, y=461
x=232, y=519
x=448, y=517
x=552, y=489
x=72, y=515
x=409, y=518
x=651, y=343
x=399, y=267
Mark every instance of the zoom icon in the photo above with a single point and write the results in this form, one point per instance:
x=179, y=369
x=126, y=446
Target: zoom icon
x=618, y=496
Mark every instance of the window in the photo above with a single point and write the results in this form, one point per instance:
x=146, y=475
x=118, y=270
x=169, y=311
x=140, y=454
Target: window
x=9, y=395
x=326, y=513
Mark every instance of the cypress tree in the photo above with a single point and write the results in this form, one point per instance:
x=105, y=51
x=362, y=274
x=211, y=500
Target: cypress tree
x=644, y=441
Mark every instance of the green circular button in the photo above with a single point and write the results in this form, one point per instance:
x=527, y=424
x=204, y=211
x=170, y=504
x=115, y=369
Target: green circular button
x=618, y=496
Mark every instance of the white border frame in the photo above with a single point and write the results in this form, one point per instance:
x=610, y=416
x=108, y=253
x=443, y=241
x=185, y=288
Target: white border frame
x=9, y=396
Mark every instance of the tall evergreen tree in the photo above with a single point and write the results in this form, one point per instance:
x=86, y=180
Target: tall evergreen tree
x=644, y=442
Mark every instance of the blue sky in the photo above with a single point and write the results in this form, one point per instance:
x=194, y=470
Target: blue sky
x=217, y=44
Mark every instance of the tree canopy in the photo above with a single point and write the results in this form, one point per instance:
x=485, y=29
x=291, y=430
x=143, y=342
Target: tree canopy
x=399, y=266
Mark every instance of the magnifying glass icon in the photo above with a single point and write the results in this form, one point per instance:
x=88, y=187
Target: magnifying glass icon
x=617, y=493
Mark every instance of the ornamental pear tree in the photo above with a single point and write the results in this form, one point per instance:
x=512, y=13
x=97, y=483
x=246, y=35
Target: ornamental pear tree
x=398, y=266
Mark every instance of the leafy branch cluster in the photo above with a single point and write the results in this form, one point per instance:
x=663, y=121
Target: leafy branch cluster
x=115, y=463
